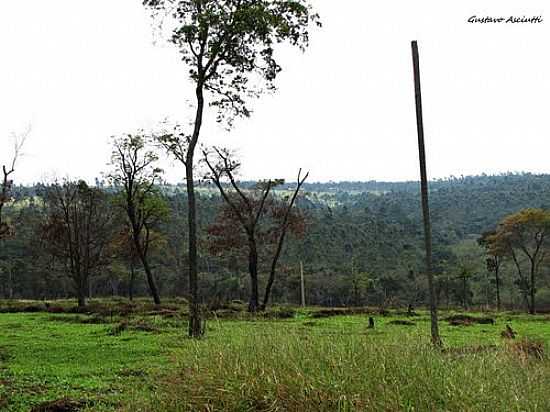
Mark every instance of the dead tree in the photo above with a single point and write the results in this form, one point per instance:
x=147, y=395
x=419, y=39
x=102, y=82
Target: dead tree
x=7, y=183
x=282, y=234
x=247, y=208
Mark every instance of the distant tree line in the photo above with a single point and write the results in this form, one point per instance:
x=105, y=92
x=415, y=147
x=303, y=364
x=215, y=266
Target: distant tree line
x=356, y=248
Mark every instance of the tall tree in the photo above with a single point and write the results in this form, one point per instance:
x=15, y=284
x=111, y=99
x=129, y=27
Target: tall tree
x=524, y=238
x=226, y=44
x=436, y=339
x=135, y=171
x=78, y=231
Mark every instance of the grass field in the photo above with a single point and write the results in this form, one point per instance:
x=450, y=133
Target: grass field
x=309, y=361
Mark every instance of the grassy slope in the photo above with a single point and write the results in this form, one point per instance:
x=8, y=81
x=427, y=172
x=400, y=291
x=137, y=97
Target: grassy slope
x=299, y=364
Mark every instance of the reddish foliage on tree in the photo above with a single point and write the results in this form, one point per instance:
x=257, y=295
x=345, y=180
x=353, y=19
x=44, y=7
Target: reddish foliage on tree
x=252, y=218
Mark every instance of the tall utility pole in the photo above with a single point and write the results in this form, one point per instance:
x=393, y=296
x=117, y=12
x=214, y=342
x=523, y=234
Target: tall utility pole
x=436, y=339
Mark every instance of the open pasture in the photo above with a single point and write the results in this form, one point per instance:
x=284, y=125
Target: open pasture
x=116, y=359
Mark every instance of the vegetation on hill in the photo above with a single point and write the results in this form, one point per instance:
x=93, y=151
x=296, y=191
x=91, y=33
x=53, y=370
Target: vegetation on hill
x=357, y=248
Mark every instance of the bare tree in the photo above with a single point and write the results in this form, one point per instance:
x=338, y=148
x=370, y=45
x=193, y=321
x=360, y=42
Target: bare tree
x=248, y=207
x=287, y=220
x=78, y=230
x=7, y=183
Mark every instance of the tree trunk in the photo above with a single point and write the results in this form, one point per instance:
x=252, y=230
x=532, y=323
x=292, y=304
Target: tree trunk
x=281, y=241
x=436, y=339
x=143, y=257
x=81, y=300
x=253, y=270
x=497, y=284
x=302, y=286
x=150, y=279
x=10, y=283
x=81, y=292
x=447, y=295
x=194, y=310
x=464, y=287
x=523, y=283
x=131, y=283
x=532, y=290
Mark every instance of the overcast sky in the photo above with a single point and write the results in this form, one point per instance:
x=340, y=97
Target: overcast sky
x=80, y=71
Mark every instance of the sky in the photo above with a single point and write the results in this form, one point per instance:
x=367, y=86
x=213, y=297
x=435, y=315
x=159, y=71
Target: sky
x=78, y=72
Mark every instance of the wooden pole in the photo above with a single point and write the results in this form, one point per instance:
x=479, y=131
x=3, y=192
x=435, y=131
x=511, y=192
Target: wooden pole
x=302, y=285
x=436, y=339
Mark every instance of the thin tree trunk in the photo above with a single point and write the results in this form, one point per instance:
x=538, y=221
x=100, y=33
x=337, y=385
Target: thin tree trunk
x=150, y=279
x=447, y=295
x=149, y=274
x=464, y=286
x=436, y=339
x=281, y=241
x=10, y=283
x=532, y=290
x=131, y=285
x=497, y=283
x=81, y=292
x=523, y=282
x=194, y=310
x=302, y=286
x=253, y=270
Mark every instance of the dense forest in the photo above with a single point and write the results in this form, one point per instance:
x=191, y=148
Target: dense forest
x=360, y=244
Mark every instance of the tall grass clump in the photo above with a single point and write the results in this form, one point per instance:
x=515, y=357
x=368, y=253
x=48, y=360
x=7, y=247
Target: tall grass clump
x=289, y=370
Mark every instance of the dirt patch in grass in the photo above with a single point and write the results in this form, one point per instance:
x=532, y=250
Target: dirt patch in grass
x=281, y=313
x=165, y=313
x=401, y=322
x=132, y=373
x=327, y=313
x=467, y=320
x=60, y=405
x=236, y=313
x=56, y=309
x=23, y=309
x=85, y=319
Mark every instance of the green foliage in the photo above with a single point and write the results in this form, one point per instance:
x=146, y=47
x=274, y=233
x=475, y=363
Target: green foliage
x=228, y=45
x=134, y=172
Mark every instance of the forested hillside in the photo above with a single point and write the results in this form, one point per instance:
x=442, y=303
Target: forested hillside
x=362, y=245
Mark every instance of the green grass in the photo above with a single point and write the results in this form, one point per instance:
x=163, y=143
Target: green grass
x=146, y=363
x=43, y=358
